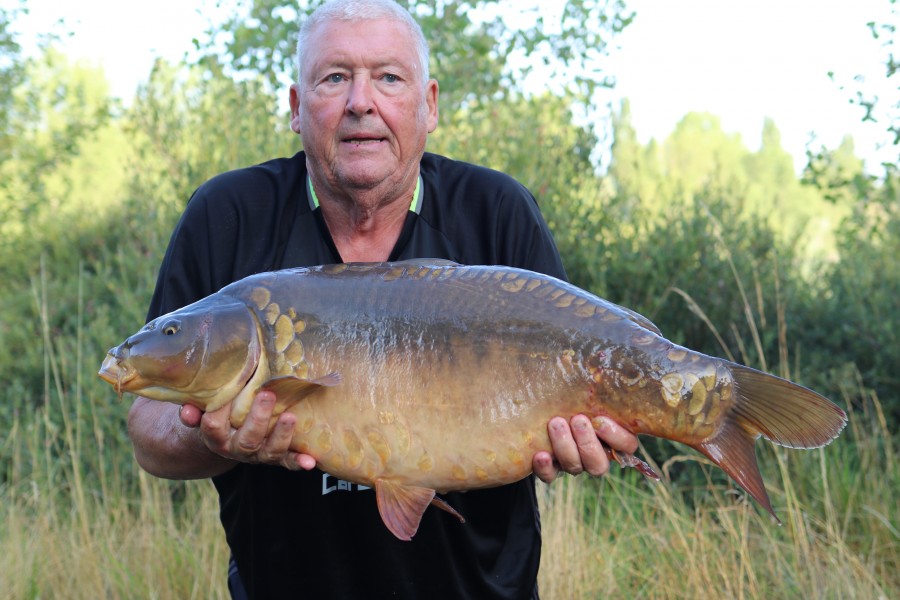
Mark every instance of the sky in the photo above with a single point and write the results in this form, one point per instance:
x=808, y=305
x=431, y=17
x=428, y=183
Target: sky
x=742, y=60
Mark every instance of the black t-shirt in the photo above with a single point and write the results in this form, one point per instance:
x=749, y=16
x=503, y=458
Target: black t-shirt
x=308, y=534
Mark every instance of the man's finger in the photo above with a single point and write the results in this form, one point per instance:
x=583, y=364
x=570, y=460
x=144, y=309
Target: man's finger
x=215, y=429
x=614, y=435
x=544, y=468
x=249, y=439
x=190, y=415
x=591, y=452
x=277, y=444
x=565, y=450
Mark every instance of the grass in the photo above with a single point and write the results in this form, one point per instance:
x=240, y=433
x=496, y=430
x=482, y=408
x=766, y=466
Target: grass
x=624, y=537
x=620, y=536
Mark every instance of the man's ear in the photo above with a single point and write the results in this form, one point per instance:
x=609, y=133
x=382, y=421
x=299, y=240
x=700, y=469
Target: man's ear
x=295, y=107
x=431, y=99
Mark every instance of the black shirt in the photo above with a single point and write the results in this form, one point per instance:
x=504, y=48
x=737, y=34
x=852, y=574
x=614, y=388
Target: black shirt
x=309, y=534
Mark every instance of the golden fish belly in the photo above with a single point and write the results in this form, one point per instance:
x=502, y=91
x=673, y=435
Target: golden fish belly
x=460, y=417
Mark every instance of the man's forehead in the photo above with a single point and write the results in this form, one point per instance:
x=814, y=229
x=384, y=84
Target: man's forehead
x=346, y=43
x=367, y=33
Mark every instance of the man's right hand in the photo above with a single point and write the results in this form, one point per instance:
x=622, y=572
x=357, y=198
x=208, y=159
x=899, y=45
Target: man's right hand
x=253, y=442
x=185, y=443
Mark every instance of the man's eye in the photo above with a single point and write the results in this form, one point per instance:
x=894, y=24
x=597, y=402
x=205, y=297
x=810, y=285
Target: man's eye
x=391, y=78
x=334, y=78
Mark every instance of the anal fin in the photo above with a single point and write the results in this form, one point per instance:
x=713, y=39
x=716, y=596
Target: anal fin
x=626, y=460
x=401, y=506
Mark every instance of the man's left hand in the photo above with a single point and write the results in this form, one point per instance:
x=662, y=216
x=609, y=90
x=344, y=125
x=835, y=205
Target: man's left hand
x=578, y=446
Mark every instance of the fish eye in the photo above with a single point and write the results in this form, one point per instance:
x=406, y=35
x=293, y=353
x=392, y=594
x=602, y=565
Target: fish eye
x=171, y=327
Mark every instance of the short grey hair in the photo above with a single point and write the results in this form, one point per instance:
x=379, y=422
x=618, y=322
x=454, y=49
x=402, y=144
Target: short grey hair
x=363, y=10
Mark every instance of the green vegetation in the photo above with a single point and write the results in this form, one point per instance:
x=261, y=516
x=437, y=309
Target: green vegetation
x=726, y=249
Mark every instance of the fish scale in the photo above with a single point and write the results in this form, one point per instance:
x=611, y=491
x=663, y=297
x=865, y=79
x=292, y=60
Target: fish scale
x=426, y=376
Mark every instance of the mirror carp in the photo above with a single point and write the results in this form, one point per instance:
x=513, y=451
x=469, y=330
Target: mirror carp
x=423, y=377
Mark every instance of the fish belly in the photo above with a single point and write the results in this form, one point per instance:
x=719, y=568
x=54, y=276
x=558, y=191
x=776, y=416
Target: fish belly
x=457, y=418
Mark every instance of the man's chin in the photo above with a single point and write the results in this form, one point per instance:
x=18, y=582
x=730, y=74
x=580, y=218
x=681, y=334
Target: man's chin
x=365, y=175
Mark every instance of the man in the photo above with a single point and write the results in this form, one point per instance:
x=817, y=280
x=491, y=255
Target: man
x=363, y=190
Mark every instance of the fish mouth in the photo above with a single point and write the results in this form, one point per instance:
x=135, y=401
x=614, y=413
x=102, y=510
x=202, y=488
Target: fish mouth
x=115, y=373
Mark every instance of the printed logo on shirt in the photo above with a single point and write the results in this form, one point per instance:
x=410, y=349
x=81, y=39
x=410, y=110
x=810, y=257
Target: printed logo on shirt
x=330, y=483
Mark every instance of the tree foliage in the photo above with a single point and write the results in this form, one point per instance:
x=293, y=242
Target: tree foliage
x=11, y=75
x=471, y=45
x=876, y=108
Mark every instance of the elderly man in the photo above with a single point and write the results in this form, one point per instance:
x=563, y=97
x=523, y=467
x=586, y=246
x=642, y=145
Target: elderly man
x=363, y=190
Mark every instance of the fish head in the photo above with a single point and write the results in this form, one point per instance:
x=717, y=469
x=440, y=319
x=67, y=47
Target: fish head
x=204, y=354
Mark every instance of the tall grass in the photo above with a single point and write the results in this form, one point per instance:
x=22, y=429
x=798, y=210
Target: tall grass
x=78, y=521
x=75, y=524
x=624, y=537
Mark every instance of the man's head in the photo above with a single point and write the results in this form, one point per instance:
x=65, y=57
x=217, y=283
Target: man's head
x=362, y=10
x=363, y=104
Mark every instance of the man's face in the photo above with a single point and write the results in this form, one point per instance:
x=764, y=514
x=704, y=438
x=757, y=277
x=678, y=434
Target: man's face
x=361, y=108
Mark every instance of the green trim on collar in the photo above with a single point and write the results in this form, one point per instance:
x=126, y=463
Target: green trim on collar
x=414, y=206
x=313, y=199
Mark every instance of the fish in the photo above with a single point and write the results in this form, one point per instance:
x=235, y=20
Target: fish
x=421, y=377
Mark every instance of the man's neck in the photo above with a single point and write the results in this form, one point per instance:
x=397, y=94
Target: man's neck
x=365, y=227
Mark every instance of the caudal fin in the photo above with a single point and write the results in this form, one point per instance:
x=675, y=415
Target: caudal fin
x=781, y=411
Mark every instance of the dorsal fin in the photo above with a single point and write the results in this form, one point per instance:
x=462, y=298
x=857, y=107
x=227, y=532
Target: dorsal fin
x=427, y=262
x=633, y=316
x=641, y=320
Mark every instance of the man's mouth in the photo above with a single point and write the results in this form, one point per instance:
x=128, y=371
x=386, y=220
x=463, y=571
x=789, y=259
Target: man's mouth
x=363, y=141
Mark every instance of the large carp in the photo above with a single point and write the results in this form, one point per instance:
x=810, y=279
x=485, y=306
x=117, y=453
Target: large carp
x=426, y=376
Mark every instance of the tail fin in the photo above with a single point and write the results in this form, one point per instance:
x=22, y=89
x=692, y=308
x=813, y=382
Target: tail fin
x=776, y=409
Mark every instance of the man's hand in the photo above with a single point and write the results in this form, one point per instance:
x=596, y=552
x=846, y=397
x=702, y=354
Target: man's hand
x=578, y=446
x=253, y=442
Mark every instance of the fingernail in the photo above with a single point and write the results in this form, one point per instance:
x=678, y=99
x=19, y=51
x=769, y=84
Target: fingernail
x=580, y=423
x=599, y=423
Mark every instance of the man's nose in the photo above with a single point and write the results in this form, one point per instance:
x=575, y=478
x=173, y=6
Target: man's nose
x=360, y=100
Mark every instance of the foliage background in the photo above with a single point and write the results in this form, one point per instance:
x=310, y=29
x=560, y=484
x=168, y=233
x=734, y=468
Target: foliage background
x=727, y=250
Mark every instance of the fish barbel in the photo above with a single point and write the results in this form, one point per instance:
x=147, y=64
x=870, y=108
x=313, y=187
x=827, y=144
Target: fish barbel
x=427, y=376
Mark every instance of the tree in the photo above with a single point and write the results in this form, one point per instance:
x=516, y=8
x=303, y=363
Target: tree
x=56, y=107
x=471, y=44
x=635, y=170
x=880, y=109
x=11, y=73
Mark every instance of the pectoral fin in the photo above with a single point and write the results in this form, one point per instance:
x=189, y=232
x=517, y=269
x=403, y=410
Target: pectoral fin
x=290, y=390
x=402, y=506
